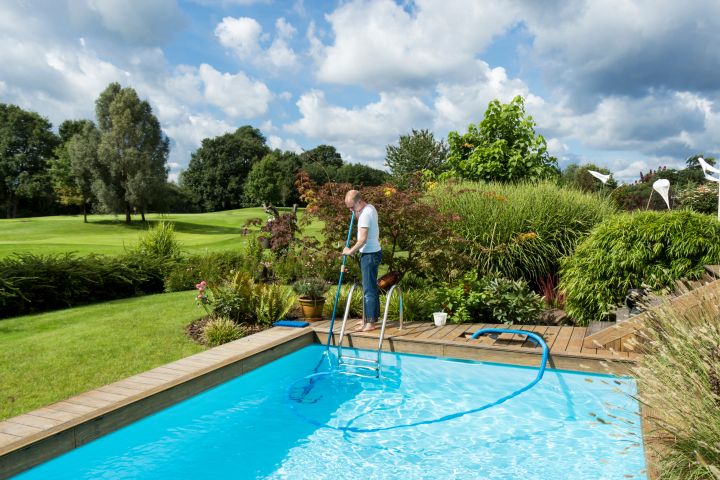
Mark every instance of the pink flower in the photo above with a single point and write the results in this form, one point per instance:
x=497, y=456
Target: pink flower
x=203, y=283
x=200, y=296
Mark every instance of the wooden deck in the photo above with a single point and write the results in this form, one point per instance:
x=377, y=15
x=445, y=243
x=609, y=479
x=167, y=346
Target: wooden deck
x=566, y=344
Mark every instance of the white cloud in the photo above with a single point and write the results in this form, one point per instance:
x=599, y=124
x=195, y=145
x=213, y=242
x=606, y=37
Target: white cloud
x=284, y=144
x=237, y=95
x=361, y=134
x=461, y=103
x=188, y=133
x=392, y=47
x=243, y=36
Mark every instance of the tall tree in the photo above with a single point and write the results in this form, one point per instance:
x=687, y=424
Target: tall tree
x=321, y=163
x=415, y=153
x=360, y=175
x=503, y=147
x=73, y=168
x=271, y=180
x=218, y=169
x=132, y=154
x=26, y=145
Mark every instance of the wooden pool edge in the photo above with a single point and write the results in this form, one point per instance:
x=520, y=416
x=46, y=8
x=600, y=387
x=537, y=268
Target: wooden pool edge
x=158, y=388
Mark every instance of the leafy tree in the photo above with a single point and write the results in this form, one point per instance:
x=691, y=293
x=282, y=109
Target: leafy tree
x=271, y=180
x=503, y=147
x=360, y=175
x=75, y=163
x=415, y=153
x=578, y=176
x=26, y=145
x=132, y=152
x=324, y=154
x=218, y=169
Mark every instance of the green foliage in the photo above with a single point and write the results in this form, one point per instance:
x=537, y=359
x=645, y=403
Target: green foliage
x=418, y=305
x=132, y=153
x=699, y=198
x=271, y=180
x=211, y=267
x=218, y=169
x=636, y=196
x=490, y=299
x=220, y=330
x=502, y=148
x=635, y=249
x=414, y=153
x=273, y=303
x=520, y=231
x=359, y=175
x=26, y=145
x=37, y=283
x=235, y=299
x=679, y=376
x=159, y=240
x=314, y=288
x=578, y=176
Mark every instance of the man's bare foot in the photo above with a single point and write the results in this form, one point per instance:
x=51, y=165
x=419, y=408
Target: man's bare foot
x=368, y=327
x=359, y=327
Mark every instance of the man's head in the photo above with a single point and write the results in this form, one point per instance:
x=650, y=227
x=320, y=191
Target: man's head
x=353, y=199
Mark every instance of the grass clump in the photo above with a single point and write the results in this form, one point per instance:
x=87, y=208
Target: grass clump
x=679, y=379
x=632, y=250
x=221, y=330
x=520, y=231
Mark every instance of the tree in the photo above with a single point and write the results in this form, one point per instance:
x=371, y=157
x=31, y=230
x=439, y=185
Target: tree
x=132, y=153
x=73, y=168
x=578, y=176
x=360, y=175
x=503, y=147
x=321, y=163
x=415, y=153
x=26, y=145
x=271, y=179
x=218, y=169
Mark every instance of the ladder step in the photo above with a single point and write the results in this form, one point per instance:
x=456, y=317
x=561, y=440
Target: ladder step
x=350, y=365
x=358, y=359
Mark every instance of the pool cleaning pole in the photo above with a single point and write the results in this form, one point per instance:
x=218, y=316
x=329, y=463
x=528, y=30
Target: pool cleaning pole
x=337, y=294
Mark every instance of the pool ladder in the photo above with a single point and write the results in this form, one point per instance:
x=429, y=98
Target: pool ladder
x=356, y=365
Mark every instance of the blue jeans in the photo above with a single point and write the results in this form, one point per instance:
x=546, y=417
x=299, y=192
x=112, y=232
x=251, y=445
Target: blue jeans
x=369, y=263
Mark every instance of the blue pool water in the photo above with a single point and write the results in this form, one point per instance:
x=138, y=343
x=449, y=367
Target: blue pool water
x=569, y=426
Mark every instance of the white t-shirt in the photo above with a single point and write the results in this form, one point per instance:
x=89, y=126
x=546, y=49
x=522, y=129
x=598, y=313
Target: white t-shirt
x=369, y=219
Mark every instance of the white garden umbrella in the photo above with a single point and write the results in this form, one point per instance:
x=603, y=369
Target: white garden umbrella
x=600, y=176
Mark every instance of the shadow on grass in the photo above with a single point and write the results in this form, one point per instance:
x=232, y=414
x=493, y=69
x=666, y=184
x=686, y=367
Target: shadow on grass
x=180, y=227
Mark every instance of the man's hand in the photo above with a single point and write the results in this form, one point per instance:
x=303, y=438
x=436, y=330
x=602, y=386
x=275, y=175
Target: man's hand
x=347, y=251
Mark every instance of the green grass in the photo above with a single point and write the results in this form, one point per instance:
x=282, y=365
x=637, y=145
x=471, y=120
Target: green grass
x=48, y=357
x=108, y=234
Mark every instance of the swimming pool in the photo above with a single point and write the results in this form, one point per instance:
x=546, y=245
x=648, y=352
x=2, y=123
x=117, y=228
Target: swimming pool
x=570, y=425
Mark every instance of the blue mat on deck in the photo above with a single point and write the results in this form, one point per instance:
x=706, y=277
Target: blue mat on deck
x=290, y=323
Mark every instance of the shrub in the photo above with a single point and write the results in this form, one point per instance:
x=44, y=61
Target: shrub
x=236, y=298
x=520, y=231
x=699, y=198
x=492, y=299
x=35, y=283
x=220, y=330
x=418, y=305
x=635, y=249
x=679, y=379
x=356, y=305
x=273, y=302
x=213, y=267
x=159, y=240
x=314, y=288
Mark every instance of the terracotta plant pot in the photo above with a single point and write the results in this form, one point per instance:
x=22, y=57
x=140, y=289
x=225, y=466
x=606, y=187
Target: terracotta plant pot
x=312, y=308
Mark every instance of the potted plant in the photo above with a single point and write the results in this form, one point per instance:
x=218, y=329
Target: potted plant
x=311, y=294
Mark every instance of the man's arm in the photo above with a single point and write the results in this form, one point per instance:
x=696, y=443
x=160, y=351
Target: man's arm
x=362, y=240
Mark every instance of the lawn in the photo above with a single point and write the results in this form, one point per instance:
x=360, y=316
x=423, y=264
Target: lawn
x=108, y=234
x=48, y=357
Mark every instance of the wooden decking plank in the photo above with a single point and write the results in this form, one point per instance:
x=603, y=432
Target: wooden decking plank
x=576, y=340
x=13, y=428
x=455, y=333
x=55, y=414
x=31, y=420
x=562, y=339
x=440, y=332
x=65, y=406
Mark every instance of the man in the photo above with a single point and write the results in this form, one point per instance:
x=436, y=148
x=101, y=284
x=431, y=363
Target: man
x=368, y=244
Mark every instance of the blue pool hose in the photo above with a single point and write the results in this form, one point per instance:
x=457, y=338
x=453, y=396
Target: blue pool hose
x=532, y=336
x=342, y=270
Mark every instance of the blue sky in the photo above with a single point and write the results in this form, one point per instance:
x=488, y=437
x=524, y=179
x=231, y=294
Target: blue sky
x=629, y=85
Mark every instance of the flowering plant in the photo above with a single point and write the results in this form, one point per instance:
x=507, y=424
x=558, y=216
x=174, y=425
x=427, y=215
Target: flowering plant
x=203, y=297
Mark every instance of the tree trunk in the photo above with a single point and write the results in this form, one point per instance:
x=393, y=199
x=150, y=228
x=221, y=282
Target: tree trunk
x=84, y=211
x=127, y=213
x=142, y=214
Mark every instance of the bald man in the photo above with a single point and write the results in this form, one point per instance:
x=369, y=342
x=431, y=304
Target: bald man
x=368, y=244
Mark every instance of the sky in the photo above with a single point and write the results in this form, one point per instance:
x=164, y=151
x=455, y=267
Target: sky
x=627, y=85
